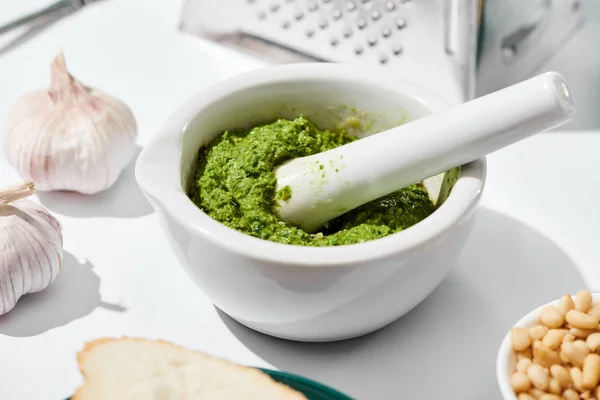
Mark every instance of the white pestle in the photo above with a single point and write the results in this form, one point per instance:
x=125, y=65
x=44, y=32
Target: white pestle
x=372, y=167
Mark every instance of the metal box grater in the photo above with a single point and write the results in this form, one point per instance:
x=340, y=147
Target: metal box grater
x=521, y=36
x=429, y=42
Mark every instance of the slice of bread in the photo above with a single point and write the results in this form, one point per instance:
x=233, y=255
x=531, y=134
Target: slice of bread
x=141, y=369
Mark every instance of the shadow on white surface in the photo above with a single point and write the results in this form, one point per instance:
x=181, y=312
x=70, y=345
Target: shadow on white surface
x=123, y=200
x=74, y=294
x=446, y=347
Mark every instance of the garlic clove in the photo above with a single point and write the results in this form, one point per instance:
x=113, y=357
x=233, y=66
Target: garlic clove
x=71, y=136
x=30, y=246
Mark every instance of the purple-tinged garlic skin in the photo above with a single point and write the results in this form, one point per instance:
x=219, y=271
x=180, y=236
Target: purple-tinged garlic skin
x=70, y=137
x=31, y=244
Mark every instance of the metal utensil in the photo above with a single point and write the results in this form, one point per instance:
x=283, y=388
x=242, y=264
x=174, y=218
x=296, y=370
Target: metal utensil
x=60, y=7
x=432, y=43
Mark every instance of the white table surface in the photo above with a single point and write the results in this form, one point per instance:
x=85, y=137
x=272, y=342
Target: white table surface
x=536, y=238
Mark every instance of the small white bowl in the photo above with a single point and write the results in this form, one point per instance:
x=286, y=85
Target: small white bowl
x=506, y=359
x=296, y=292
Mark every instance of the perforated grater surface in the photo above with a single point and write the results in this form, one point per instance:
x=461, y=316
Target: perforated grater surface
x=430, y=42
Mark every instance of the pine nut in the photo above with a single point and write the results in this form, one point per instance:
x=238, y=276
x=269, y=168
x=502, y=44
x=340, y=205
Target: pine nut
x=570, y=394
x=594, y=310
x=538, y=332
x=538, y=376
x=525, y=354
x=565, y=304
x=583, y=301
x=554, y=387
x=523, y=364
x=591, y=371
x=559, y=359
x=561, y=375
x=520, y=382
x=581, y=346
x=549, y=396
x=536, y=393
x=574, y=353
x=525, y=396
x=520, y=339
x=581, y=320
x=577, y=378
x=593, y=341
x=551, y=317
x=585, y=395
x=543, y=356
x=554, y=338
x=569, y=337
x=581, y=333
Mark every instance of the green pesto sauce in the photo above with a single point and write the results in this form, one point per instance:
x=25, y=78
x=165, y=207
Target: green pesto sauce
x=234, y=183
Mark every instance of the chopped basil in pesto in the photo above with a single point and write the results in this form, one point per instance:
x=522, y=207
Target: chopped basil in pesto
x=234, y=183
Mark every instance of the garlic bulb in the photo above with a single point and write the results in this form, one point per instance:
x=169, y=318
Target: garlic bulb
x=30, y=246
x=70, y=137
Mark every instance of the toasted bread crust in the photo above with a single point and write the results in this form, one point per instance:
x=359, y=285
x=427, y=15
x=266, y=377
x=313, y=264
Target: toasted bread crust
x=286, y=391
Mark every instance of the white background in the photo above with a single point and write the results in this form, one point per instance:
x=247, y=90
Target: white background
x=537, y=237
